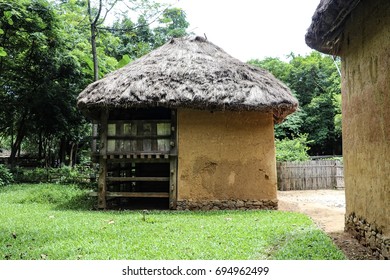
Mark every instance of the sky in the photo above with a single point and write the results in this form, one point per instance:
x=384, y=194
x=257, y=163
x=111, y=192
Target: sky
x=252, y=29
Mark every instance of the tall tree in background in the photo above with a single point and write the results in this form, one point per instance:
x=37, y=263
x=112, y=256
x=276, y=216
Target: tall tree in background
x=39, y=77
x=315, y=81
x=46, y=60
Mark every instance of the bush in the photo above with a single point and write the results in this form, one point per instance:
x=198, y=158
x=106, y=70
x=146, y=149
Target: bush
x=64, y=196
x=6, y=177
x=292, y=149
x=65, y=175
x=36, y=175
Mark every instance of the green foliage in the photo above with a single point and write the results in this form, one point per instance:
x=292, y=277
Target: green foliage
x=79, y=175
x=36, y=175
x=40, y=77
x=291, y=126
x=6, y=176
x=338, y=116
x=315, y=81
x=173, y=24
x=45, y=62
x=50, y=225
x=278, y=68
x=292, y=149
x=124, y=61
x=60, y=196
x=135, y=39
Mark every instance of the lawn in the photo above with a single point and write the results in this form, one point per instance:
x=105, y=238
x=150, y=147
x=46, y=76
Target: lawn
x=48, y=221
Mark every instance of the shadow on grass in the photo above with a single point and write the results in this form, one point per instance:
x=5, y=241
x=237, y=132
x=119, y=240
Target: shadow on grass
x=309, y=243
x=82, y=202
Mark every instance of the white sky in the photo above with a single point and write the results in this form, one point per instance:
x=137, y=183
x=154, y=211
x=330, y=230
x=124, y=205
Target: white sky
x=248, y=29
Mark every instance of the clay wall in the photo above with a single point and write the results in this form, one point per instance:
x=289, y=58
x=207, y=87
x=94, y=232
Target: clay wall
x=226, y=160
x=366, y=120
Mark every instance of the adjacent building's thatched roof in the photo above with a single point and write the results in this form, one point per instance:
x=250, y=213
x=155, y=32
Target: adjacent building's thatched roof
x=189, y=73
x=324, y=33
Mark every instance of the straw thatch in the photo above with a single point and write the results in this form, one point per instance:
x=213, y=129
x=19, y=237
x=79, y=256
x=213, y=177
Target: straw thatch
x=325, y=31
x=189, y=73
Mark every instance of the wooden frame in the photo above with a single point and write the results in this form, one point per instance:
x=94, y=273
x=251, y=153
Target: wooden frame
x=108, y=158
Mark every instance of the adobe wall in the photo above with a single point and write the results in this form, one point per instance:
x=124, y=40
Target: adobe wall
x=366, y=124
x=226, y=160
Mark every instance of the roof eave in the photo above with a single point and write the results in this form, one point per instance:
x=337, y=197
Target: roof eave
x=328, y=21
x=279, y=112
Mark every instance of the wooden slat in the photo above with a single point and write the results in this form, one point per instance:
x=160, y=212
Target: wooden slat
x=137, y=154
x=138, y=137
x=137, y=160
x=137, y=179
x=138, y=194
x=134, y=194
x=310, y=175
x=121, y=122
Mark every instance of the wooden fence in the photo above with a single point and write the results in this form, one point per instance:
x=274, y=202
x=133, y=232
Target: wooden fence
x=310, y=175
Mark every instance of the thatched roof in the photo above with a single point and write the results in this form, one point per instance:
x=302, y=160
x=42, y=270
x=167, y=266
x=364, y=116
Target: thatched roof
x=324, y=33
x=189, y=73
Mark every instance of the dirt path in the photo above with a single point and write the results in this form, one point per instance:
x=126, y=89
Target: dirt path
x=327, y=210
x=325, y=207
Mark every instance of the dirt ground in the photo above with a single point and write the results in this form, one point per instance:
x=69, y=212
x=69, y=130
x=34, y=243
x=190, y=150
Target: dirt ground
x=327, y=209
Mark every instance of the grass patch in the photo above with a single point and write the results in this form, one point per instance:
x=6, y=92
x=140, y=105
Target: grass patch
x=48, y=221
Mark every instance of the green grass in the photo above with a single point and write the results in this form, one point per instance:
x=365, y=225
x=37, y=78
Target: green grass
x=49, y=221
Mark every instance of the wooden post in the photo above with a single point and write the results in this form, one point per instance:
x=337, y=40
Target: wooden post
x=102, y=183
x=173, y=183
x=94, y=135
x=173, y=162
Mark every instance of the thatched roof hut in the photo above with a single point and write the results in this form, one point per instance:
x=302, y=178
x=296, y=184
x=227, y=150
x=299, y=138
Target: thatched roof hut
x=189, y=73
x=325, y=31
x=190, y=125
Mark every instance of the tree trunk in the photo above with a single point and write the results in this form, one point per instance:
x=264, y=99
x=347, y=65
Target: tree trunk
x=94, y=55
x=40, y=146
x=62, y=151
x=94, y=22
x=71, y=153
x=15, y=147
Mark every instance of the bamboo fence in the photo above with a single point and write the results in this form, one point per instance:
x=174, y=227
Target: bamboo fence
x=310, y=175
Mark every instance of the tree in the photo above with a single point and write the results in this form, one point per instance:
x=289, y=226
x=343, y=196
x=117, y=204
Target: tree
x=137, y=39
x=173, y=24
x=292, y=149
x=315, y=81
x=46, y=61
x=28, y=41
x=149, y=12
x=39, y=76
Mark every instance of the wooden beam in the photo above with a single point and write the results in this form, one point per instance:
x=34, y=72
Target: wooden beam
x=138, y=179
x=138, y=137
x=138, y=194
x=138, y=160
x=121, y=122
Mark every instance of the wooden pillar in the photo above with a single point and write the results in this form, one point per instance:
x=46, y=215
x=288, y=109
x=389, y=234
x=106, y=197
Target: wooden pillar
x=102, y=181
x=94, y=135
x=173, y=162
x=173, y=183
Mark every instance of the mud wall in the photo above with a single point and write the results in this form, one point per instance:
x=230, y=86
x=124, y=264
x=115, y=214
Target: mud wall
x=226, y=156
x=366, y=116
